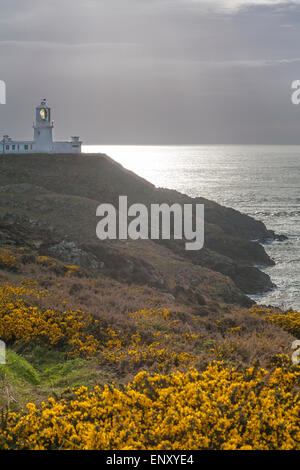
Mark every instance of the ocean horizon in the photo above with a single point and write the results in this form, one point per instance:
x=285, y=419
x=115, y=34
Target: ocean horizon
x=259, y=180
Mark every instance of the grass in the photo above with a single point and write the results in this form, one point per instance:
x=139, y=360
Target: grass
x=39, y=373
x=18, y=369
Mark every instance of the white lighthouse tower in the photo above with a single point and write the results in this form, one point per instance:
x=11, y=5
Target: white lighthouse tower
x=43, y=138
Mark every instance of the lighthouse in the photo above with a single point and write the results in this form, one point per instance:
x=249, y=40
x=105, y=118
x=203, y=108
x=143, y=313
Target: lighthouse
x=42, y=137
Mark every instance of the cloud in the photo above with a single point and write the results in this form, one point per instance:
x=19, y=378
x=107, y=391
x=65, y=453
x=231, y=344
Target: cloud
x=60, y=44
x=235, y=5
x=255, y=63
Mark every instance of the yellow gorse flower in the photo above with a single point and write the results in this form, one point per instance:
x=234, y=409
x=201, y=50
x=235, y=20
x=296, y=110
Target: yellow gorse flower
x=8, y=260
x=289, y=321
x=220, y=408
x=20, y=321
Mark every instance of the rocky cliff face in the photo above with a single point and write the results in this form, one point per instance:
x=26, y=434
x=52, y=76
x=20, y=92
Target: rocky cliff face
x=55, y=198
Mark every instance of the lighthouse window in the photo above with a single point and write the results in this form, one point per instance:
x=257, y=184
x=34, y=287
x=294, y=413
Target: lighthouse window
x=43, y=114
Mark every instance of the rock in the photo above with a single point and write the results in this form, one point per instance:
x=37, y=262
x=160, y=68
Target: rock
x=124, y=267
x=251, y=280
x=70, y=253
x=281, y=238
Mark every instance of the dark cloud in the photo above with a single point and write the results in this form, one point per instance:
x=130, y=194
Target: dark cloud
x=153, y=71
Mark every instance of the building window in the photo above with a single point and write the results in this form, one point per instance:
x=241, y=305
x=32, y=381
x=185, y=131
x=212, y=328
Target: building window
x=7, y=147
x=13, y=147
x=26, y=147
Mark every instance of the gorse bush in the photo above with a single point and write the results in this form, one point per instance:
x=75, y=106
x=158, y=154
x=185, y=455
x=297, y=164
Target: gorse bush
x=138, y=353
x=220, y=408
x=28, y=323
x=163, y=349
x=288, y=321
x=81, y=334
x=8, y=260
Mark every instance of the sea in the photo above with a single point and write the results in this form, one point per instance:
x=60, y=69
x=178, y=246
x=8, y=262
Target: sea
x=261, y=181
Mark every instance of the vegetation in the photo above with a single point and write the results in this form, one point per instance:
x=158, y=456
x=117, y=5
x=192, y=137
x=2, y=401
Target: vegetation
x=134, y=344
x=288, y=321
x=220, y=408
x=95, y=364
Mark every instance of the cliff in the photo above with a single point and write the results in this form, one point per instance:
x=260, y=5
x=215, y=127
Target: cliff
x=55, y=197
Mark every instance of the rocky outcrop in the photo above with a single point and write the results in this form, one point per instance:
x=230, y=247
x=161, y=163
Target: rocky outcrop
x=68, y=252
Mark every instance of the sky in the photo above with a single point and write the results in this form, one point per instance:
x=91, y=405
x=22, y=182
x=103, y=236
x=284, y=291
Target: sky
x=153, y=71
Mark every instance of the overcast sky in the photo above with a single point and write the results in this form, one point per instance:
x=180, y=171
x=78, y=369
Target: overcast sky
x=153, y=71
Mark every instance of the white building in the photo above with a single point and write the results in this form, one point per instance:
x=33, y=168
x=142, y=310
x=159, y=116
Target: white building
x=42, y=139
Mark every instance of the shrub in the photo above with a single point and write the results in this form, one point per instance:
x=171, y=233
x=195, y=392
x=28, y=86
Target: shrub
x=288, y=321
x=220, y=408
x=70, y=329
x=8, y=260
